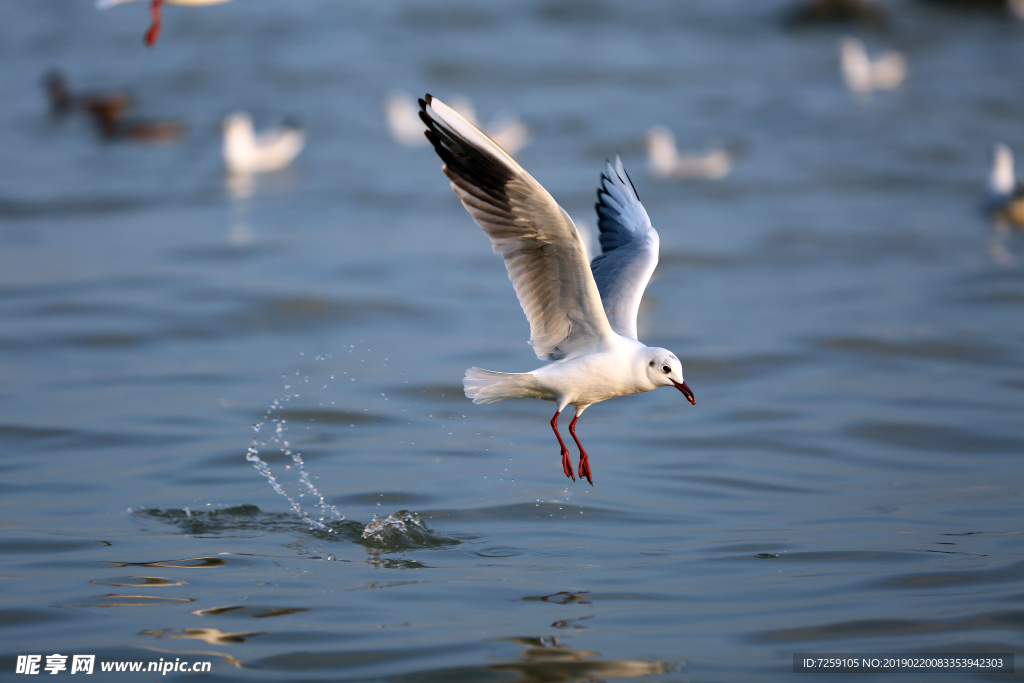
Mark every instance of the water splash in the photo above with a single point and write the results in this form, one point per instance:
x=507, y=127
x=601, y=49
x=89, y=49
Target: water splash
x=398, y=521
x=402, y=530
x=398, y=533
x=328, y=514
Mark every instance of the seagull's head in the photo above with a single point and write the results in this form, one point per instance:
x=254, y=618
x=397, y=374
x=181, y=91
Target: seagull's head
x=665, y=370
x=235, y=123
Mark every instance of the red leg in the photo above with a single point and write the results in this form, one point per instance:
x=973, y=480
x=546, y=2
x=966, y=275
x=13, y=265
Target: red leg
x=584, y=460
x=154, y=30
x=566, y=465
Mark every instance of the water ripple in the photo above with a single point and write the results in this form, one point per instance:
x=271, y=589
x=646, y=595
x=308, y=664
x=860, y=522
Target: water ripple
x=241, y=518
x=738, y=368
x=927, y=437
x=80, y=439
x=954, y=579
x=531, y=512
x=1008, y=620
x=332, y=417
x=918, y=349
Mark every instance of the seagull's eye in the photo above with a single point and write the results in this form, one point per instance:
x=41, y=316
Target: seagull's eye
x=652, y=363
x=667, y=369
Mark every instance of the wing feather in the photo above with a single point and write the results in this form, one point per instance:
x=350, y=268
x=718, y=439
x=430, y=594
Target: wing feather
x=629, y=246
x=543, y=252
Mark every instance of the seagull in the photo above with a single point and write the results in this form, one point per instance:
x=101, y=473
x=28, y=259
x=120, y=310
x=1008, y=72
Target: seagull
x=582, y=316
x=246, y=152
x=406, y=129
x=665, y=161
x=863, y=75
x=154, y=9
x=1005, y=200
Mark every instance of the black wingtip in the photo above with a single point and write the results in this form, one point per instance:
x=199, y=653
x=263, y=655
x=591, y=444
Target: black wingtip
x=424, y=103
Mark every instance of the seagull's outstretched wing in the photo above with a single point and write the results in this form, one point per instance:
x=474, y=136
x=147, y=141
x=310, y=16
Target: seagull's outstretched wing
x=629, y=246
x=544, y=255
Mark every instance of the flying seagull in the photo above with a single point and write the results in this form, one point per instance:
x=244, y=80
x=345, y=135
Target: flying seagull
x=582, y=316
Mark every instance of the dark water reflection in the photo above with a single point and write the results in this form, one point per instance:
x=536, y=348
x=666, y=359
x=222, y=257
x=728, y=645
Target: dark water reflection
x=545, y=660
x=848, y=482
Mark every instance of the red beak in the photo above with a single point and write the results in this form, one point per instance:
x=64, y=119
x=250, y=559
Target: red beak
x=681, y=386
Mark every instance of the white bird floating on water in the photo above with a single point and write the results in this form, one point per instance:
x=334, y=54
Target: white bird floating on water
x=1005, y=198
x=407, y=129
x=154, y=8
x=864, y=75
x=665, y=161
x=582, y=316
x=246, y=152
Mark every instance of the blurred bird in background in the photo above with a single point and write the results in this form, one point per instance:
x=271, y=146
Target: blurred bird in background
x=108, y=111
x=1004, y=202
x=811, y=12
x=64, y=101
x=1015, y=7
x=247, y=152
x=665, y=161
x=1005, y=196
x=864, y=75
x=112, y=125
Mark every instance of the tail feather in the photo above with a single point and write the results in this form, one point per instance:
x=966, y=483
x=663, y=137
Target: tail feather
x=487, y=386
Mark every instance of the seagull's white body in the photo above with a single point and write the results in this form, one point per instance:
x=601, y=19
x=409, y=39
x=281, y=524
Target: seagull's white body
x=665, y=161
x=595, y=373
x=407, y=129
x=1002, y=180
x=270, y=150
x=863, y=75
x=582, y=315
